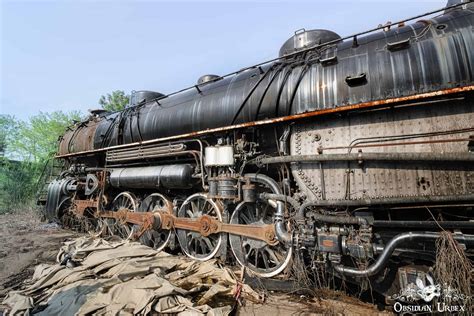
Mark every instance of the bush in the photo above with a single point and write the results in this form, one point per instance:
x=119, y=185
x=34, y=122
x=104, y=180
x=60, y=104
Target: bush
x=18, y=184
x=25, y=149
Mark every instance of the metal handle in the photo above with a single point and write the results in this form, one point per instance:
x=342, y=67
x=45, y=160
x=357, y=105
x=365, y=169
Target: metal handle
x=302, y=30
x=356, y=80
x=394, y=46
x=328, y=61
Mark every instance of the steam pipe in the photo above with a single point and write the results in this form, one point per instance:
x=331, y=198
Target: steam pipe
x=386, y=201
x=388, y=250
x=281, y=197
x=424, y=224
x=280, y=229
x=352, y=220
x=442, y=157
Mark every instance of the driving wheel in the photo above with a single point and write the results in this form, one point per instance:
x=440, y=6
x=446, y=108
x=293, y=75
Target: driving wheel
x=193, y=244
x=261, y=258
x=157, y=239
x=125, y=200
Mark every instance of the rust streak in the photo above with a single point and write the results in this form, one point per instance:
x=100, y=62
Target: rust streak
x=286, y=118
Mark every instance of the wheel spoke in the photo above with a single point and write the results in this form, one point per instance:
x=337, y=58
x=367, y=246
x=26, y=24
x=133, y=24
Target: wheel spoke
x=263, y=259
x=202, y=248
x=272, y=255
x=247, y=254
x=207, y=209
x=194, y=208
x=195, y=246
x=152, y=238
x=245, y=219
x=203, y=245
x=252, y=215
x=208, y=243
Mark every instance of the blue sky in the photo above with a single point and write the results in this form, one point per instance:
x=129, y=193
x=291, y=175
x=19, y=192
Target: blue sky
x=62, y=55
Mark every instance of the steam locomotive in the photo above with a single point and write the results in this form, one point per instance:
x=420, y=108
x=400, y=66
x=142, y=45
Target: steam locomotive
x=351, y=153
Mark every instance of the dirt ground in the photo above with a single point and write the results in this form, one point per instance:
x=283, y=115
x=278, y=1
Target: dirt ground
x=26, y=242
x=291, y=305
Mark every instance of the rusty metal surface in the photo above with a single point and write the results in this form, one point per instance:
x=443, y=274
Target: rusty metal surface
x=80, y=138
x=82, y=205
x=359, y=106
x=205, y=225
x=265, y=232
x=145, y=220
x=126, y=216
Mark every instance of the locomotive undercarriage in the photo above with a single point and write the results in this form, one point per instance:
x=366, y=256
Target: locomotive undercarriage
x=363, y=197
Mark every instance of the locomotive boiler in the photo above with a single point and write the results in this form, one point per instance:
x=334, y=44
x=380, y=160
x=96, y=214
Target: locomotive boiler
x=349, y=153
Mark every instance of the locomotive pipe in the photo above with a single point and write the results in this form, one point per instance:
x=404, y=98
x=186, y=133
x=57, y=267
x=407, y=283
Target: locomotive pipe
x=385, y=201
x=424, y=224
x=351, y=220
x=280, y=229
x=388, y=250
x=94, y=169
x=281, y=197
x=193, y=153
x=132, y=153
x=433, y=157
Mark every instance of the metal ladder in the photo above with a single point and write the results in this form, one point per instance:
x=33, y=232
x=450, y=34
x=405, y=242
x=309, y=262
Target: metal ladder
x=51, y=170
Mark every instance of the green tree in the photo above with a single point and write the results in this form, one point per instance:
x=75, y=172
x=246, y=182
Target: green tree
x=27, y=147
x=37, y=140
x=7, y=130
x=115, y=101
x=18, y=184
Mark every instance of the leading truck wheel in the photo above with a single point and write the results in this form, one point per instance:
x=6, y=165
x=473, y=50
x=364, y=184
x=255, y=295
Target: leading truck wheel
x=157, y=239
x=193, y=244
x=261, y=258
